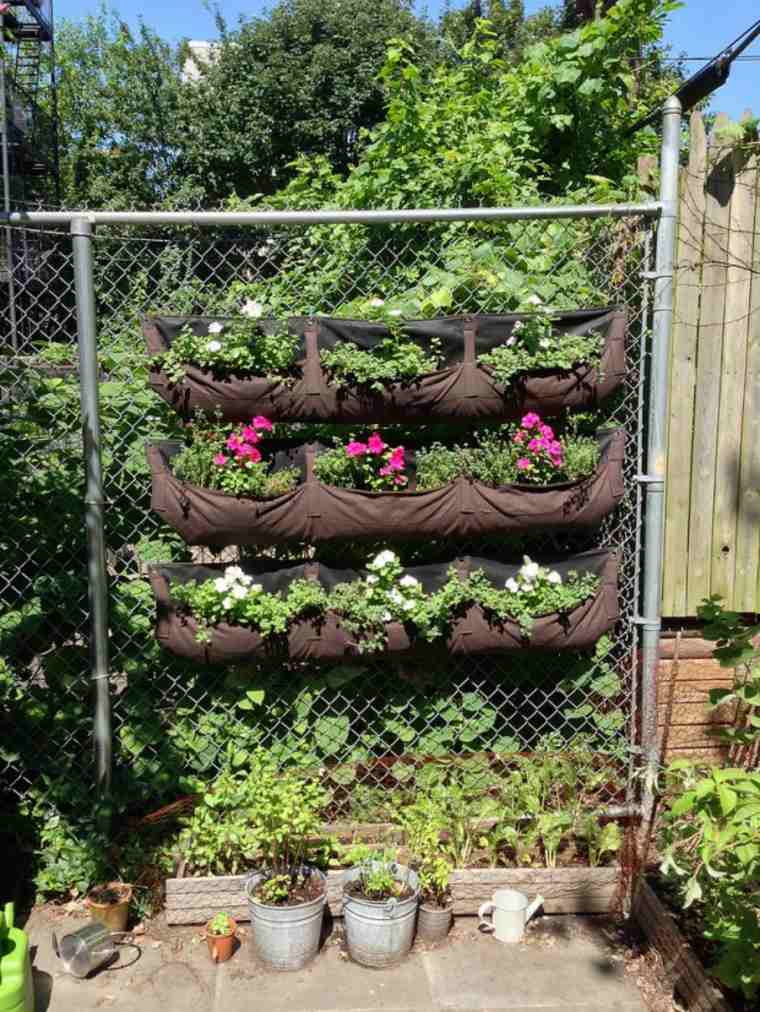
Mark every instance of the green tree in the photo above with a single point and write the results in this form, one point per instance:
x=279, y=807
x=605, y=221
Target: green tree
x=301, y=80
x=117, y=101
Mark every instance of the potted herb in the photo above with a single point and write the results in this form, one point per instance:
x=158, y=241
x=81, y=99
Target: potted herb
x=424, y=822
x=287, y=895
x=220, y=937
x=436, y=905
x=109, y=904
x=380, y=900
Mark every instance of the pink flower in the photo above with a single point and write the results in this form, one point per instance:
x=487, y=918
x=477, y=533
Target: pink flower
x=524, y=464
x=220, y=460
x=250, y=435
x=385, y=471
x=399, y=480
x=260, y=422
x=536, y=444
x=547, y=432
x=249, y=453
x=530, y=420
x=519, y=438
x=396, y=459
x=355, y=449
x=375, y=443
x=234, y=442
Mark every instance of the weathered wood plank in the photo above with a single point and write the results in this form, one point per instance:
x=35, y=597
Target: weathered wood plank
x=691, y=736
x=709, y=364
x=747, y=587
x=693, y=670
x=696, y=713
x=565, y=891
x=679, y=692
x=702, y=753
x=738, y=255
x=683, y=371
x=691, y=982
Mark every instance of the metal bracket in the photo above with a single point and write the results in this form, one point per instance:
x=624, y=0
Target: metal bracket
x=655, y=275
x=650, y=479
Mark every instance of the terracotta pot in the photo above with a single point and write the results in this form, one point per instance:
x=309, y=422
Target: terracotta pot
x=112, y=915
x=220, y=946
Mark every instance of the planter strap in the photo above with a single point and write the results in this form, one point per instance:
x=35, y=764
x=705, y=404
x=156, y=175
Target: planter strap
x=312, y=488
x=469, y=363
x=312, y=368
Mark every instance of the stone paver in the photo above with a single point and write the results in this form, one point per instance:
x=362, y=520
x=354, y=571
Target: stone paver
x=564, y=966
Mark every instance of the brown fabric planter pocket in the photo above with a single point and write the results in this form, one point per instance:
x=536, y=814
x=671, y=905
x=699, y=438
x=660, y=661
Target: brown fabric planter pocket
x=460, y=389
x=316, y=512
x=326, y=639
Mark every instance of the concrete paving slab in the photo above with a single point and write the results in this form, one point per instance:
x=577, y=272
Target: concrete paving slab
x=565, y=969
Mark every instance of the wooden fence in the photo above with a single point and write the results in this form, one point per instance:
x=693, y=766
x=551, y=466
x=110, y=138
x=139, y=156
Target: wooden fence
x=712, y=537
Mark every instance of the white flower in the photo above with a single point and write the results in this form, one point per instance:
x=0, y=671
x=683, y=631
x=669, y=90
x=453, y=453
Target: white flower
x=510, y=341
x=394, y=312
x=255, y=588
x=372, y=579
x=376, y=303
x=221, y=585
x=383, y=559
x=234, y=573
x=239, y=592
x=526, y=587
x=214, y=345
x=387, y=616
x=252, y=308
x=518, y=326
x=215, y=327
x=396, y=596
x=529, y=570
x=227, y=603
x=512, y=585
x=554, y=577
x=544, y=342
x=263, y=251
x=407, y=605
x=245, y=579
x=409, y=581
x=533, y=300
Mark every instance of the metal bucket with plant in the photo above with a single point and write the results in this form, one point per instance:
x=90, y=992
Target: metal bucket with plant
x=380, y=899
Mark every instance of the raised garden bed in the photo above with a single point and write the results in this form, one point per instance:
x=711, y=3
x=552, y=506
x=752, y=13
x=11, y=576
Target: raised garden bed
x=691, y=982
x=565, y=891
x=325, y=638
x=462, y=388
x=315, y=511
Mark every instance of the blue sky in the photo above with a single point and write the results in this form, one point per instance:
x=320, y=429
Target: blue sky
x=699, y=28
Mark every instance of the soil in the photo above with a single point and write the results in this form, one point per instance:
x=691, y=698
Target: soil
x=308, y=889
x=355, y=889
x=110, y=895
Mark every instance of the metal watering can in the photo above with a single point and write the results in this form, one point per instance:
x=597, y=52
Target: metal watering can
x=510, y=911
x=90, y=948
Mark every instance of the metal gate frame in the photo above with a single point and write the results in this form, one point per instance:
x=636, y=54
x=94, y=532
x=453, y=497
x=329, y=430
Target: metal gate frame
x=663, y=213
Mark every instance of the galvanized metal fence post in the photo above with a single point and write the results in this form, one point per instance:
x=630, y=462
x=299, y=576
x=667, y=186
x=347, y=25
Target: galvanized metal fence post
x=81, y=239
x=654, y=479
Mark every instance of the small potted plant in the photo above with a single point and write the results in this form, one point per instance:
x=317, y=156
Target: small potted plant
x=380, y=900
x=109, y=904
x=286, y=895
x=436, y=906
x=220, y=937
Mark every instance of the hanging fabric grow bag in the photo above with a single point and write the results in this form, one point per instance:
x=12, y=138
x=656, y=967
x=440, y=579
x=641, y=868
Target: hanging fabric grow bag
x=316, y=512
x=462, y=388
x=325, y=638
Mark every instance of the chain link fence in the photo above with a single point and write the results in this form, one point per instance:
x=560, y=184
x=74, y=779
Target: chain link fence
x=376, y=726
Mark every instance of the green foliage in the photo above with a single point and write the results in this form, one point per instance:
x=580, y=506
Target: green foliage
x=218, y=837
x=220, y=924
x=232, y=348
x=378, y=871
x=393, y=360
x=735, y=650
x=528, y=354
x=600, y=838
x=711, y=850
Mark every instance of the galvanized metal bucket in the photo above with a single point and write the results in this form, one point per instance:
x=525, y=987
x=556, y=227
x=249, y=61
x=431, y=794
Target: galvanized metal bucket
x=433, y=923
x=380, y=934
x=286, y=938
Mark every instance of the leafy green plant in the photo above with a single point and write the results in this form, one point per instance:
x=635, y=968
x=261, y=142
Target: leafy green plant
x=229, y=459
x=392, y=360
x=218, y=837
x=378, y=871
x=601, y=839
x=710, y=843
x=220, y=924
x=735, y=650
x=367, y=464
x=241, y=347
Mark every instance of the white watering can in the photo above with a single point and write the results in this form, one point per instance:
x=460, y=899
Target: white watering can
x=509, y=912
